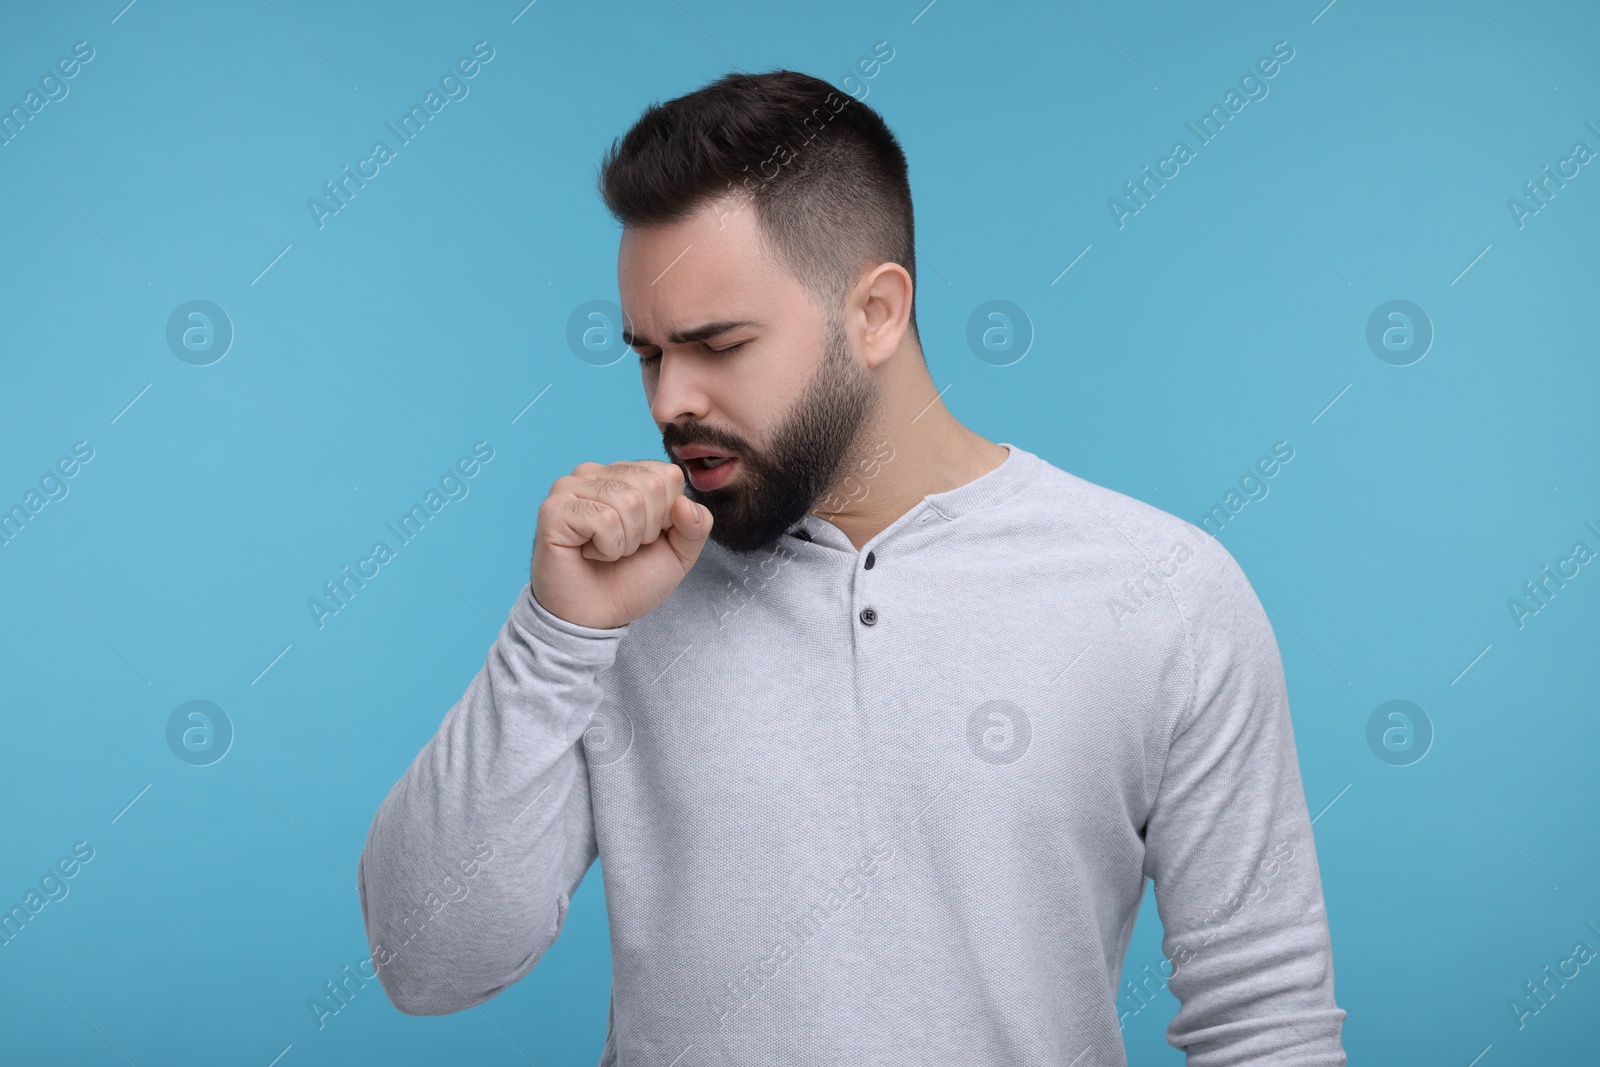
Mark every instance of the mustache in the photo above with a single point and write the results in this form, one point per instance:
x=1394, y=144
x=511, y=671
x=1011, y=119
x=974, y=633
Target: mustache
x=675, y=437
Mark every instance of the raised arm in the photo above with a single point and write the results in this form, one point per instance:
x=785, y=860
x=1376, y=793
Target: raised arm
x=475, y=853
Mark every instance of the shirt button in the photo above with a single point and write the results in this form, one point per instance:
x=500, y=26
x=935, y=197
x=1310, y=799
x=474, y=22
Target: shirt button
x=871, y=558
x=869, y=616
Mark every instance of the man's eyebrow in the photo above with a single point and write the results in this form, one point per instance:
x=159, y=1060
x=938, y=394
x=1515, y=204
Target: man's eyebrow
x=703, y=332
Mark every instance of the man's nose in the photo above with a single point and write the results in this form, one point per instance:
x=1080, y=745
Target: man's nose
x=679, y=390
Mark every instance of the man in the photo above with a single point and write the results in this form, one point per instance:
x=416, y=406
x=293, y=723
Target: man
x=877, y=727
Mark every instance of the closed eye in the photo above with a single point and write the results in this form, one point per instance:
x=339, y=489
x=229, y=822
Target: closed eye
x=645, y=361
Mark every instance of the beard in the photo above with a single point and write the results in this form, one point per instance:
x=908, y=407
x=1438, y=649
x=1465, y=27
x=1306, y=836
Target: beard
x=780, y=484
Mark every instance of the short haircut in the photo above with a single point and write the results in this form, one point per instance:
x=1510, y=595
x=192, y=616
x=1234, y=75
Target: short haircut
x=825, y=174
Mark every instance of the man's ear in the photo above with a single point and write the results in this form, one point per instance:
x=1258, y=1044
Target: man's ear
x=880, y=308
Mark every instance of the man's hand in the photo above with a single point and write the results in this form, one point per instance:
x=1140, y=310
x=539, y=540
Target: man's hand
x=599, y=557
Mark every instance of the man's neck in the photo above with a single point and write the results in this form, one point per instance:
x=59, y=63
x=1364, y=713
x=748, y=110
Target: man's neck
x=904, y=456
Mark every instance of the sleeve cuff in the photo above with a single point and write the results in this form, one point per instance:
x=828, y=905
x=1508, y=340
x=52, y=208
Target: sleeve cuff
x=537, y=620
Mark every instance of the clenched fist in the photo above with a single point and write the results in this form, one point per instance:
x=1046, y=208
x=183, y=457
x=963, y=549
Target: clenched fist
x=599, y=555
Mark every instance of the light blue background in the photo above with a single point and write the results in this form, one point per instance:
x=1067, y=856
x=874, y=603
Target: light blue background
x=1224, y=317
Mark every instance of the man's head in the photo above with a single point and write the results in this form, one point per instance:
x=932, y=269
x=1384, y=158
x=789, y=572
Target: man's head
x=766, y=271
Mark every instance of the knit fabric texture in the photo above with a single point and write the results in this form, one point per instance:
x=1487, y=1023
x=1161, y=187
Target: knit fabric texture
x=894, y=805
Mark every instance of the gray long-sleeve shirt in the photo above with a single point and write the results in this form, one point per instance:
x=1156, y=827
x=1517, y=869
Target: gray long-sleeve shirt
x=886, y=806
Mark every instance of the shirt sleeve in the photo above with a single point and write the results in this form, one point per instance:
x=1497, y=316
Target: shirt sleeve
x=1230, y=848
x=475, y=853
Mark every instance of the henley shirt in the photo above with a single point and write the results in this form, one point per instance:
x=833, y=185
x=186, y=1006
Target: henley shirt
x=894, y=805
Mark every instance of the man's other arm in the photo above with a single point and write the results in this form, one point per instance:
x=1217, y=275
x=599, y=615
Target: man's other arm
x=1230, y=848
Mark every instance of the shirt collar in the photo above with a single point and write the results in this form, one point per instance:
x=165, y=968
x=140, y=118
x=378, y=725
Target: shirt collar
x=1014, y=473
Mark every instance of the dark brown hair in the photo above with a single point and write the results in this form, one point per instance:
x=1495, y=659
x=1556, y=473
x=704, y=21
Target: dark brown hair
x=826, y=176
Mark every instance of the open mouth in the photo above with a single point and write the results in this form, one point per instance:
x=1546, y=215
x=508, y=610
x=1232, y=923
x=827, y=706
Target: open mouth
x=711, y=472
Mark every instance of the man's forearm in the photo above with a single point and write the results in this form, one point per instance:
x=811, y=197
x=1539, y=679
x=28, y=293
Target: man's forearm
x=474, y=854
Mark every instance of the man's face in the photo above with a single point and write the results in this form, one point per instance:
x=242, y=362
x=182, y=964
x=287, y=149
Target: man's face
x=773, y=383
